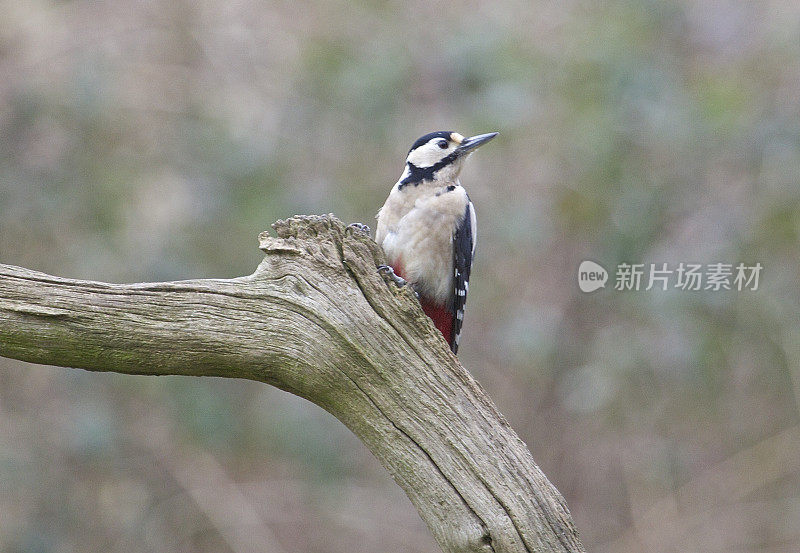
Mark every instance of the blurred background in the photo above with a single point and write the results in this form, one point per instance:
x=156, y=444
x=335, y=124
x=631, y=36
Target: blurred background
x=153, y=140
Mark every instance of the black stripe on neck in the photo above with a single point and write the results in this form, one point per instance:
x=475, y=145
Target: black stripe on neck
x=418, y=174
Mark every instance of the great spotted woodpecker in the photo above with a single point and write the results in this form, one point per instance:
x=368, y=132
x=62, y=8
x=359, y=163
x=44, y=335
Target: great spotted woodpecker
x=427, y=227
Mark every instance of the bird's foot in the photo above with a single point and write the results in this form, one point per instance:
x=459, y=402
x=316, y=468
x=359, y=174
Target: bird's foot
x=387, y=270
x=398, y=280
x=359, y=227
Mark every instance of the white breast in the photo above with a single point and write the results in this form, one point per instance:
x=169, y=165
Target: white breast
x=420, y=237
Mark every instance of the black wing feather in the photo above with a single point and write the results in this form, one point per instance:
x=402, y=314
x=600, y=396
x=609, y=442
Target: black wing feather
x=463, y=247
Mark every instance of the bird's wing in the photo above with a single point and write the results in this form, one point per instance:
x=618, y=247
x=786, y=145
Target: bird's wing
x=463, y=251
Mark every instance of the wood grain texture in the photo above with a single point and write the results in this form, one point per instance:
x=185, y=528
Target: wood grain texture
x=315, y=319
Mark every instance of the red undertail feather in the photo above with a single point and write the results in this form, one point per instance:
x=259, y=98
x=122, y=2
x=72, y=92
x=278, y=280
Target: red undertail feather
x=441, y=316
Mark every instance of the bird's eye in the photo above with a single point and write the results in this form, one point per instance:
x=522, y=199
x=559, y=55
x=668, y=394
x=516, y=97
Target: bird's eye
x=443, y=144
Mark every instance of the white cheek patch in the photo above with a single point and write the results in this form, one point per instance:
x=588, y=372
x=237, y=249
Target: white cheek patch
x=429, y=154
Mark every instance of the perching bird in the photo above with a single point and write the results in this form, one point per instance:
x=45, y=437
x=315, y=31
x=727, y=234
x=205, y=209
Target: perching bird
x=427, y=227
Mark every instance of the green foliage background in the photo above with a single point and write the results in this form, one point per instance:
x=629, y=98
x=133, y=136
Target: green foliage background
x=153, y=140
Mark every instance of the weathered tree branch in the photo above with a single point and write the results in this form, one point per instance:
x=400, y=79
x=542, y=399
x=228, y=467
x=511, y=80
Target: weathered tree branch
x=317, y=320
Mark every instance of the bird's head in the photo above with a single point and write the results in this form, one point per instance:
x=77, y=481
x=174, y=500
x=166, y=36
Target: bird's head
x=438, y=157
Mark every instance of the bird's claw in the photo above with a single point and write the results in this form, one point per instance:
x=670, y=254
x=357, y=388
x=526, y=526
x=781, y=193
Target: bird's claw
x=387, y=270
x=359, y=227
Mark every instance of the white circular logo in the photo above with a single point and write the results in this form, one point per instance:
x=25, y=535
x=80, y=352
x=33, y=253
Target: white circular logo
x=591, y=276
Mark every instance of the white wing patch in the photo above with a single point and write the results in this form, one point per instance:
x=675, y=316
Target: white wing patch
x=474, y=226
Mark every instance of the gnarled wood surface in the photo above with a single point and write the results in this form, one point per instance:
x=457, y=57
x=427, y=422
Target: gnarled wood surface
x=317, y=320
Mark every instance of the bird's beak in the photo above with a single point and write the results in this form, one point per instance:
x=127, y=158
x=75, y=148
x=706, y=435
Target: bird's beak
x=469, y=144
